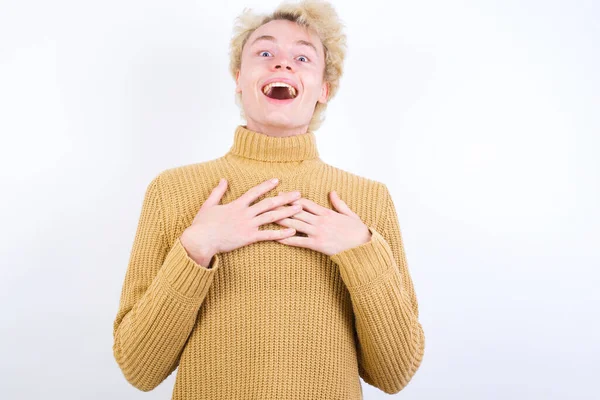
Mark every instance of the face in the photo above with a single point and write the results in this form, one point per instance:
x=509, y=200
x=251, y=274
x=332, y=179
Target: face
x=292, y=58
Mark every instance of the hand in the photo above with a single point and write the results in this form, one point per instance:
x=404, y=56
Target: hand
x=327, y=231
x=224, y=227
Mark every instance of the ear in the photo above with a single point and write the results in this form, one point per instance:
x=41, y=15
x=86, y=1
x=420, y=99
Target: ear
x=324, y=92
x=237, y=82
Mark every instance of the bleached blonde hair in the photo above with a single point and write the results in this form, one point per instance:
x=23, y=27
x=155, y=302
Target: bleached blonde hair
x=316, y=15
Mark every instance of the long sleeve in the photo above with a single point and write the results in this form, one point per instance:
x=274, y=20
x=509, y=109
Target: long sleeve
x=160, y=299
x=391, y=341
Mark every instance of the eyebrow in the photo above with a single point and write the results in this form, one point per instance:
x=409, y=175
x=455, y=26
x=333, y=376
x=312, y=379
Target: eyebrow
x=298, y=42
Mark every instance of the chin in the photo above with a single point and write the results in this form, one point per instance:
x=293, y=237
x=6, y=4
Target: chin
x=278, y=119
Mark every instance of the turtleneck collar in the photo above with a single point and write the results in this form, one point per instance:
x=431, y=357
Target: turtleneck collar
x=261, y=147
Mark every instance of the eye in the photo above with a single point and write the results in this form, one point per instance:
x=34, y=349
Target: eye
x=262, y=52
x=304, y=57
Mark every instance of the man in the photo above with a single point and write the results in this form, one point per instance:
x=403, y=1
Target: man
x=252, y=313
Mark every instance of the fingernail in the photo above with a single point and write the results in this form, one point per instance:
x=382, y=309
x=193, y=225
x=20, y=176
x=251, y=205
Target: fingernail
x=274, y=180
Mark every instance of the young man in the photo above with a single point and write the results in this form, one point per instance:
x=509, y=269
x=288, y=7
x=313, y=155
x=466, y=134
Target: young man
x=247, y=312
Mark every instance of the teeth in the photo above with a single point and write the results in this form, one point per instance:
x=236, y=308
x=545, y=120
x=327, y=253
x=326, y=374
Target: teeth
x=280, y=84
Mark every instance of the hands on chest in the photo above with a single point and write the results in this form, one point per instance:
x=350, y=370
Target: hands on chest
x=224, y=227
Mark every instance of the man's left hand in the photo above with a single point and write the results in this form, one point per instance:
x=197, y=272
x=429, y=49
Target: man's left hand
x=327, y=231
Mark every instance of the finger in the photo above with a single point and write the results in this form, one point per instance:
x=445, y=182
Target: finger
x=298, y=241
x=306, y=217
x=271, y=234
x=292, y=215
x=255, y=192
x=275, y=215
x=216, y=194
x=311, y=206
x=298, y=225
x=270, y=203
x=340, y=205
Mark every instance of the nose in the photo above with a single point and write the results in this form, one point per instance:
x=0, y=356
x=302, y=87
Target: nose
x=281, y=62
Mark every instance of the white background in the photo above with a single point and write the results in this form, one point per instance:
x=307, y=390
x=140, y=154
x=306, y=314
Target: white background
x=482, y=117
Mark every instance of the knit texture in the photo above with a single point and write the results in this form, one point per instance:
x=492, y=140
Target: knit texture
x=267, y=320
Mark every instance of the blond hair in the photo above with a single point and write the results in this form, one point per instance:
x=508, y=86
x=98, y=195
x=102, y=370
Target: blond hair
x=317, y=15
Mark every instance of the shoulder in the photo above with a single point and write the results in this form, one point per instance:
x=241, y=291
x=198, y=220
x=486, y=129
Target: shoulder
x=345, y=178
x=367, y=197
x=182, y=189
x=190, y=175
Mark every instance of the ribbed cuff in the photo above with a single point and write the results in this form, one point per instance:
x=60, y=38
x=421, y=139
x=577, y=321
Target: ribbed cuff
x=365, y=263
x=184, y=275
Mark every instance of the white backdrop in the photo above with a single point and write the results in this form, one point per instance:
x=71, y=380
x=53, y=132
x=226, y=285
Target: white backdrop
x=482, y=117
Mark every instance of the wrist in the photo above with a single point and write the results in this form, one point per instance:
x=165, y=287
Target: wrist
x=201, y=255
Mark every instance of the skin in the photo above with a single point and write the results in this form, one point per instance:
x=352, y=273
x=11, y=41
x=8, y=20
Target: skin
x=224, y=227
x=221, y=228
x=283, y=57
x=329, y=231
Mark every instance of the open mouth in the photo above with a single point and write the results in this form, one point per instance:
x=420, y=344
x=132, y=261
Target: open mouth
x=280, y=91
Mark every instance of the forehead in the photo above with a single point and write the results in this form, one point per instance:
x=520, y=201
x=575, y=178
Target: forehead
x=284, y=31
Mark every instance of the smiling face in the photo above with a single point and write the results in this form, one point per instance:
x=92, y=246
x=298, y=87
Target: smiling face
x=281, y=78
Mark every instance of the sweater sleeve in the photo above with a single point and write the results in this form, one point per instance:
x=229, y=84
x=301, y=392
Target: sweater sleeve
x=391, y=341
x=160, y=299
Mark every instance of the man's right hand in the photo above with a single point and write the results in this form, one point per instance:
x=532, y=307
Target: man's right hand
x=224, y=227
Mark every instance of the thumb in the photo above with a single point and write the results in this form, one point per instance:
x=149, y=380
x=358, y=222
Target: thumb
x=217, y=193
x=340, y=204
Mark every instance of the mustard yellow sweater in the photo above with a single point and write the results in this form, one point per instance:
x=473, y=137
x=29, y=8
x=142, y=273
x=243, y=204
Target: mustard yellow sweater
x=267, y=320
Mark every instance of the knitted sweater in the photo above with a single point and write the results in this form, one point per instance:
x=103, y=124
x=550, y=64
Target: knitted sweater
x=267, y=320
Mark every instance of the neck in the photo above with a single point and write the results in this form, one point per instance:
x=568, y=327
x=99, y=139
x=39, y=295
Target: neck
x=252, y=145
x=276, y=131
